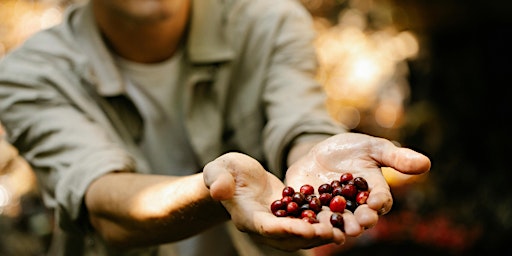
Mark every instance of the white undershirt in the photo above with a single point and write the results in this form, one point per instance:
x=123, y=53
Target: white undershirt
x=156, y=92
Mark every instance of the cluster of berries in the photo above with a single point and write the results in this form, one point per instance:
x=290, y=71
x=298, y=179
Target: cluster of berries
x=346, y=193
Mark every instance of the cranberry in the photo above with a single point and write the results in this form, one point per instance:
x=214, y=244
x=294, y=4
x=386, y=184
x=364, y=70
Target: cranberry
x=324, y=188
x=346, y=177
x=335, y=183
x=287, y=199
x=308, y=213
x=336, y=191
x=362, y=196
x=307, y=189
x=309, y=216
x=281, y=213
x=292, y=209
x=310, y=220
x=304, y=207
x=310, y=197
x=277, y=205
x=315, y=204
x=299, y=198
x=325, y=198
x=349, y=191
x=351, y=205
x=337, y=221
x=288, y=191
x=346, y=193
x=338, y=204
x=361, y=183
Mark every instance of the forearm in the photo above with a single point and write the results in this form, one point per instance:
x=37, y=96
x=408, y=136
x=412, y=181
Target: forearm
x=130, y=209
x=302, y=146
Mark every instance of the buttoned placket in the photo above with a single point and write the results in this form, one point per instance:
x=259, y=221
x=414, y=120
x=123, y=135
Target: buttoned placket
x=203, y=114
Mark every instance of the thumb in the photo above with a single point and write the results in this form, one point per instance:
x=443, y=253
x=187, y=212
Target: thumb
x=404, y=160
x=219, y=180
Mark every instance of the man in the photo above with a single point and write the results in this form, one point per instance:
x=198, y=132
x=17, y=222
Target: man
x=131, y=113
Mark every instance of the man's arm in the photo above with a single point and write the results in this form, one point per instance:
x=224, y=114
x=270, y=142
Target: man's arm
x=302, y=146
x=131, y=210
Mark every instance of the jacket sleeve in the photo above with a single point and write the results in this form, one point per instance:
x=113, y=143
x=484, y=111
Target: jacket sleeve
x=44, y=111
x=295, y=102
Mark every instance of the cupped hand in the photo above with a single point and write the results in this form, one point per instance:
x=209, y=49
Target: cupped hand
x=246, y=190
x=362, y=155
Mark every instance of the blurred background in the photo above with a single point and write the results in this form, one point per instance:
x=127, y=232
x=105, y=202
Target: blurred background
x=432, y=75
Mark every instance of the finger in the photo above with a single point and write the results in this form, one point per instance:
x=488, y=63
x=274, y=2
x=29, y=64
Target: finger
x=365, y=216
x=352, y=227
x=219, y=180
x=298, y=234
x=338, y=236
x=223, y=188
x=380, y=200
x=404, y=160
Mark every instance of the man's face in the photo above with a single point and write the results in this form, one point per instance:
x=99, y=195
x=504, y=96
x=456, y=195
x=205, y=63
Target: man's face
x=140, y=10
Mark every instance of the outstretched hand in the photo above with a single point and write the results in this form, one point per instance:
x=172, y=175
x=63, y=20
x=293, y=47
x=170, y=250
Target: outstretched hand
x=362, y=155
x=246, y=190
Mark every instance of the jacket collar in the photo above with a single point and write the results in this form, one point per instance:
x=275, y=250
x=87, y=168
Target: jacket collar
x=206, y=44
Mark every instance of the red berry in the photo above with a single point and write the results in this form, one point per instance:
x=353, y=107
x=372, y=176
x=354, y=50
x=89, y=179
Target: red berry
x=304, y=207
x=308, y=213
x=310, y=220
x=293, y=209
x=310, y=197
x=362, y=196
x=351, y=205
x=335, y=183
x=338, y=204
x=346, y=177
x=336, y=191
x=277, y=205
x=288, y=191
x=337, y=221
x=281, y=213
x=325, y=198
x=307, y=189
x=324, y=188
x=299, y=198
x=361, y=183
x=349, y=191
x=315, y=204
x=287, y=199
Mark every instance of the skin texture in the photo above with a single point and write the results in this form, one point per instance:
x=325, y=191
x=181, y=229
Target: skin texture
x=144, y=214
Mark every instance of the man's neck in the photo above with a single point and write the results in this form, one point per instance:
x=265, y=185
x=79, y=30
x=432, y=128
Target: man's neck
x=145, y=42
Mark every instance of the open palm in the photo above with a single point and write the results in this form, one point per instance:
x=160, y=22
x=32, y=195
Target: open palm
x=246, y=190
x=363, y=156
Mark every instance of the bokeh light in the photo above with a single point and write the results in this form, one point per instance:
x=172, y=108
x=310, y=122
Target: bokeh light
x=19, y=19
